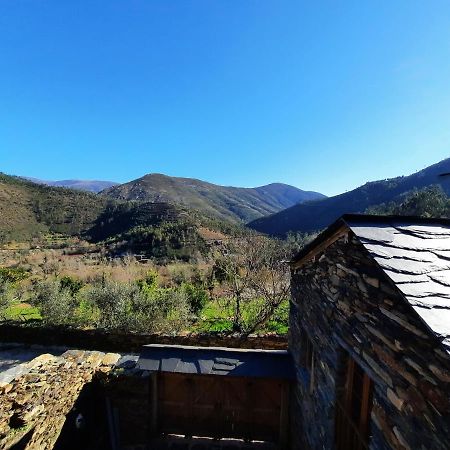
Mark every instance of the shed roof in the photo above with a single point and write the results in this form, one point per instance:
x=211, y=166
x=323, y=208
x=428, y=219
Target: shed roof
x=217, y=361
x=414, y=253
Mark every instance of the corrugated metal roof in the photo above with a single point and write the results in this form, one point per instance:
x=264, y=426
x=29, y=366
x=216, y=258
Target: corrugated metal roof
x=217, y=361
x=416, y=256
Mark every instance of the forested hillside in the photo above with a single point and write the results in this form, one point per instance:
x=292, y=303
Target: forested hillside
x=428, y=202
x=223, y=202
x=316, y=215
x=30, y=210
x=34, y=212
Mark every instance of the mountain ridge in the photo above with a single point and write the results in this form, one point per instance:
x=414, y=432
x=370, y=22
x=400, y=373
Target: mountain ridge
x=29, y=210
x=95, y=186
x=38, y=214
x=224, y=202
x=313, y=216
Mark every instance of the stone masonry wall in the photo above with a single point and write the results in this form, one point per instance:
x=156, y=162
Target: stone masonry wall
x=344, y=301
x=35, y=404
x=129, y=342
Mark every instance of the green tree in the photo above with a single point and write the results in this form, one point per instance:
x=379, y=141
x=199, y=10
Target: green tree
x=114, y=301
x=73, y=285
x=13, y=274
x=164, y=310
x=431, y=201
x=197, y=296
x=150, y=282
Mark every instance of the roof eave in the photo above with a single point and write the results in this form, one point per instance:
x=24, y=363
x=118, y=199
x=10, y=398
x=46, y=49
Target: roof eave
x=320, y=243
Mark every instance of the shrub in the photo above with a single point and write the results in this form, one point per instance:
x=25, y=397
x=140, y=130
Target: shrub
x=161, y=310
x=13, y=274
x=87, y=313
x=73, y=285
x=197, y=297
x=55, y=303
x=150, y=282
x=114, y=301
x=6, y=295
x=169, y=311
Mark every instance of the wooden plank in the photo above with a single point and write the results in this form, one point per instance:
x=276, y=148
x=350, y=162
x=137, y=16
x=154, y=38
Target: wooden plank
x=352, y=425
x=189, y=407
x=365, y=405
x=284, y=417
x=220, y=406
x=154, y=403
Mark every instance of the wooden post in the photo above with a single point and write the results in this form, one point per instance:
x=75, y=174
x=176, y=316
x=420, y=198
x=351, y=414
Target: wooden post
x=249, y=404
x=284, y=416
x=190, y=386
x=154, y=403
x=112, y=423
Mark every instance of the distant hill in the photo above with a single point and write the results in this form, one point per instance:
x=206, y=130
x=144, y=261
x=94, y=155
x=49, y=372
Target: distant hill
x=30, y=210
x=81, y=185
x=316, y=215
x=223, y=202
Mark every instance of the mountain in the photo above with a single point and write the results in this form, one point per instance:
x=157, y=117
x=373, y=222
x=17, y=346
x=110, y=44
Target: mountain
x=222, y=202
x=30, y=210
x=81, y=185
x=316, y=215
x=35, y=212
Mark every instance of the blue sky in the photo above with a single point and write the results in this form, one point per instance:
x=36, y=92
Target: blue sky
x=324, y=95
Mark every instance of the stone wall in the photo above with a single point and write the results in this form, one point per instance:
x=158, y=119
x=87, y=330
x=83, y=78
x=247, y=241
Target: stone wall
x=129, y=342
x=33, y=407
x=344, y=301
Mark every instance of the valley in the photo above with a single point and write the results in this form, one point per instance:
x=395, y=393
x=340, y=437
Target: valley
x=316, y=215
x=166, y=254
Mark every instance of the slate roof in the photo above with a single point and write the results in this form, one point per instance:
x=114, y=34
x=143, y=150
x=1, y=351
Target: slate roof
x=217, y=361
x=415, y=254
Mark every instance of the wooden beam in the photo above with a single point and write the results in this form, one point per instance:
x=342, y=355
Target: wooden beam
x=319, y=248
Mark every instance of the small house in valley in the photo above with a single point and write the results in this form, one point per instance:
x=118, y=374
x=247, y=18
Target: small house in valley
x=370, y=336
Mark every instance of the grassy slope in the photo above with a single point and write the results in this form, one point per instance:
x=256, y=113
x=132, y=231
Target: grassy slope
x=227, y=203
x=317, y=215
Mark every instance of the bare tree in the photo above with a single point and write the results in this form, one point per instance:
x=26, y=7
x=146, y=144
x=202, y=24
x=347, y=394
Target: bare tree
x=253, y=269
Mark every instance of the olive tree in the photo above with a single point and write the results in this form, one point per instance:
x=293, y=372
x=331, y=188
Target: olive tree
x=141, y=306
x=114, y=300
x=55, y=302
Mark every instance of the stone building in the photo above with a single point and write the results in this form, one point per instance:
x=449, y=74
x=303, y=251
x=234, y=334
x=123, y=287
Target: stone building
x=370, y=336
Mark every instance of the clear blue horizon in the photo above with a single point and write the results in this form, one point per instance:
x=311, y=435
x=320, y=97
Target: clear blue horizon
x=321, y=95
